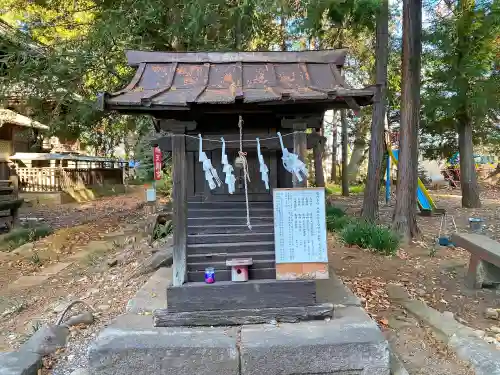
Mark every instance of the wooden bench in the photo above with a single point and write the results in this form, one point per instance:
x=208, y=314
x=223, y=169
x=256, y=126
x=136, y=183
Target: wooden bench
x=484, y=264
x=9, y=202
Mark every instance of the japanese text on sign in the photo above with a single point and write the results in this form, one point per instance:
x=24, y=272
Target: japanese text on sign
x=157, y=160
x=300, y=226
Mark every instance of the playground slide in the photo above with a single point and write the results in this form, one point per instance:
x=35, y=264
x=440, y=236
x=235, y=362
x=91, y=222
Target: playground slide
x=425, y=202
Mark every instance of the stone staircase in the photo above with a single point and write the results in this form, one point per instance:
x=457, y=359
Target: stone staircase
x=217, y=231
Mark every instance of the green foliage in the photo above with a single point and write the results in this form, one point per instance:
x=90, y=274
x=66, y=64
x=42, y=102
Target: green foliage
x=461, y=80
x=337, y=223
x=164, y=186
x=336, y=219
x=162, y=230
x=384, y=240
x=358, y=233
x=332, y=211
x=369, y=235
x=35, y=259
x=20, y=236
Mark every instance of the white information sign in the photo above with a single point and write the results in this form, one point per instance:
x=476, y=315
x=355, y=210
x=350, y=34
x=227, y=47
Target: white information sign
x=300, y=225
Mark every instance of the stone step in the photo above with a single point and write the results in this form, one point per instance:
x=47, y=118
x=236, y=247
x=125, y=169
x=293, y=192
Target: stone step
x=229, y=212
x=242, y=220
x=236, y=229
x=222, y=257
x=229, y=238
x=226, y=205
x=229, y=248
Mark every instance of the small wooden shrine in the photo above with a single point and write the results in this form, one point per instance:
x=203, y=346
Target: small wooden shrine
x=218, y=95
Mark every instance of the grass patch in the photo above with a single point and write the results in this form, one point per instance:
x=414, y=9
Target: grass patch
x=20, y=236
x=362, y=233
x=368, y=235
x=335, y=189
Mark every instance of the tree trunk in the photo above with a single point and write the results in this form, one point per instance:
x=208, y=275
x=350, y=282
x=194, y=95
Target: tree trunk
x=283, y=26
x=405, y=212
x=376, y=153
x=333, y=176
x=345, y=176
x=359, y=149
x=468, y=175
x=318, y=152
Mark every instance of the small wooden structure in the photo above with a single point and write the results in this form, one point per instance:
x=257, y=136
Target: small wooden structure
x=14, y=131
x=53, y=172
x=205, y=93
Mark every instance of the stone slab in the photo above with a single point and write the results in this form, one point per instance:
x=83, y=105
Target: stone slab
x=483, y=357
x=130, y=346
x=346, y=345
x=29, y=281
x=19, y=363
x=54, y=269
x=334, y=291
x=151, y=296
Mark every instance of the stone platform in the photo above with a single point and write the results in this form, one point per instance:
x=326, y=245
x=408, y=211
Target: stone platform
x=348, y=344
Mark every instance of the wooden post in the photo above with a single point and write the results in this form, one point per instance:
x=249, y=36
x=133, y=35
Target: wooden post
x=14, y=180
x=14, y=212
x=300, y=148
x=179, y=168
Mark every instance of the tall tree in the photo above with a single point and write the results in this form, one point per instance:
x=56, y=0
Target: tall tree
x=462, y=87
x=345, y=175
x=372, y=190
x=405, y=212
x=318, y=152
x=333, y=173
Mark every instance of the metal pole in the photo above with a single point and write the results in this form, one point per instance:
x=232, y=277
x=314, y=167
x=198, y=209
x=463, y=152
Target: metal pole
x=388, y=180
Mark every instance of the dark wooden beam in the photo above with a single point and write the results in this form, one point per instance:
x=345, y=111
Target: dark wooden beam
x=227, y=295
x=178, y=126
x=305, y=122
x=164, y=318
x=165, y=143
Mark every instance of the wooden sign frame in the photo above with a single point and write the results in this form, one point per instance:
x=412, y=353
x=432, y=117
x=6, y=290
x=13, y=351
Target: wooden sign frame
x=295, y=270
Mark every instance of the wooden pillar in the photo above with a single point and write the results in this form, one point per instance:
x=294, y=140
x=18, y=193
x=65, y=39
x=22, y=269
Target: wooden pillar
x=179, y=193
x=300, y=148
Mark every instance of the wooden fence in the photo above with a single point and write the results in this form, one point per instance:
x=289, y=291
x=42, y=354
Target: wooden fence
x=59, y=179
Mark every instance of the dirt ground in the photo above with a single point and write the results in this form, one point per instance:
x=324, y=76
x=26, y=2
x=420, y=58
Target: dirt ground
x=438, y=280
x=75, y=258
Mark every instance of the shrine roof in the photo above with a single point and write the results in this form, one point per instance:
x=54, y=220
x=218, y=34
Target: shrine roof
x=179, y=80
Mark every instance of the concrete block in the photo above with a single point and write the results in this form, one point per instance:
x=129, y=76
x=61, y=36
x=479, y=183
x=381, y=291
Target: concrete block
x=20, y=363
x=483, y=357
x=152, y=295
x=341, y=346
x=334, y=291
x=132, y=346
x=47, y=340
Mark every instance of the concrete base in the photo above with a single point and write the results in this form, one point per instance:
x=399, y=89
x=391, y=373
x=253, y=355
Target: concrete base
x=340, y=346
x=348, y=344
x=132, y=346
x=20, y=363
